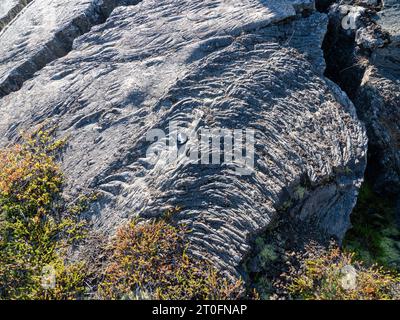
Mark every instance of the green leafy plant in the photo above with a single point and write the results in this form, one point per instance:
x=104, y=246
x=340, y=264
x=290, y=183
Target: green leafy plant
x=36, y=225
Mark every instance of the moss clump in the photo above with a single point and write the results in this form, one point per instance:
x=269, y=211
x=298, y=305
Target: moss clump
x=149, y=260
x=36, y=225
x=331, y=274
x=374, y=236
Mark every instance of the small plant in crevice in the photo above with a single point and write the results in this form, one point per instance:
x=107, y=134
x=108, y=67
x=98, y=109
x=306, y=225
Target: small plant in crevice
x=321, y=273
x=265, y=256
x=148, y=260
x=37, y=226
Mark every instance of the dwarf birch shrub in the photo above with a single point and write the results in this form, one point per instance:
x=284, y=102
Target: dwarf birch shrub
x=149, y=261
x=36, y=225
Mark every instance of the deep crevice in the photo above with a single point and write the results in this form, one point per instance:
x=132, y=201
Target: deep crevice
x=373, y=236
x=344, y=65
x=323, y=5
x=345, y=61
x=61, y=43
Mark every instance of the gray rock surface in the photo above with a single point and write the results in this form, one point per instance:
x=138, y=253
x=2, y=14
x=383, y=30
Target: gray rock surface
x=204, y=64
x=378, y=100
x=388, y=19
x=378, y=103
x=9, y=9
x=45, y=31
x=364, y=60
x=6, y=6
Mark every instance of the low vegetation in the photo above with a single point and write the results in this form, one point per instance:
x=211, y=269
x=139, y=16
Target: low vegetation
x=332, y=274
x=36, y=225
x=149, y=261
x=374, y=237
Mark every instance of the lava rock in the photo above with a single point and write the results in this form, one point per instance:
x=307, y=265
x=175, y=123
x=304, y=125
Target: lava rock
x=44, y=32
x=378, y=103
x=9, y=9
x=204, y=64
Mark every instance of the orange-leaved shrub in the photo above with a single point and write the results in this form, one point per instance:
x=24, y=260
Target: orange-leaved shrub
x=38, y=227
x=149, y=261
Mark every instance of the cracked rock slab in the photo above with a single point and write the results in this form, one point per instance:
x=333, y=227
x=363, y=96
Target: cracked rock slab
x=203, y=64
x=365, y=61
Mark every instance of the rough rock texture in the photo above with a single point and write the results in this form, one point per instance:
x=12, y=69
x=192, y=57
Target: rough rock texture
x=388, y=19
x=9, y=9
x=378, y=101
x=45, y=31
x=205, y=64
x=368, y=68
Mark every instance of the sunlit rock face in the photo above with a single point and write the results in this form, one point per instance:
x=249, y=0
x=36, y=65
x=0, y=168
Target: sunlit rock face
x=110, y=73
x=9, y=9
x=378, y=101
x=368, y=64
x=44, y=31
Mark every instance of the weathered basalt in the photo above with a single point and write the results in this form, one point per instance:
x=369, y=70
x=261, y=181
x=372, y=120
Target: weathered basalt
x=204, y=64
x=378, y=102
x=9, y=9
x=365, y=61
x=44, y=32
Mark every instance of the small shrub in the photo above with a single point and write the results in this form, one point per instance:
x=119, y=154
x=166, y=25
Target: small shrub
x=36, y=225
x=331, y=274
x=149, y=261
